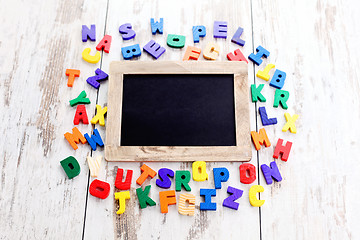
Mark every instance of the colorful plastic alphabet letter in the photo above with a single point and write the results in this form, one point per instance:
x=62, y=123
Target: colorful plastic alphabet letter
x=220, y=29
x=119, y=184
x=256, y=93
x=271, y=172
x=260, y=138
x=198, y=31
x=220, y=175
x=182, y=178
x=190, y=209
x=100, y=115
x=94, y=165
x=192, y=53
x=72, y=74
x=281, y=96
x=166, y=198
x=211, y=51
x=252, y=196
x=237, y=57
x=236, y=38
x=105, y=44
x=284, y=150
x=81, y=115
x=100, y=75
x=164, y=178
x=75, y=137
x=175, y=41
x=199, y=171
x=264, y=74
x=278, y=79
x=290, y=123
x=80, y=99
x=154, y=49
x=143, y=197
x=234, y=195
x=126, y=31
x=261, y=52
x=207, y=204
x=71, y=167
x=247, y=173
x=88, y=33
x=130, y=52
x=264, y=117
x=90, y=59
x=146, y=171
x=99, y=189
x=94, y=140
x=157, y=26
x=122, y=196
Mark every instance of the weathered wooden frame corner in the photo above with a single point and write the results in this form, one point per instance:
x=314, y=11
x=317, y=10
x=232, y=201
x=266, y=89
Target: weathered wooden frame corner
x=241, y=152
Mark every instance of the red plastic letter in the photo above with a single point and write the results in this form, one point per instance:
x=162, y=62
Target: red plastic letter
x=99, y=189
x=245, y=170
x=119, y=184
x=284, y=150
x=81, y=115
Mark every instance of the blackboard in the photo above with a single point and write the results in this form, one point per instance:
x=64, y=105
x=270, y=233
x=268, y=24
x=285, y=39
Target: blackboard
x=178, y=111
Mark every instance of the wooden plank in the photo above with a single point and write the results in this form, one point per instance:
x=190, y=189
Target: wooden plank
x=314, y=43
x=101, y=219
x=40, y=40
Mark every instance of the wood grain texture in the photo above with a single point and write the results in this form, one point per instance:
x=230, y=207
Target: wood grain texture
x=115, y=152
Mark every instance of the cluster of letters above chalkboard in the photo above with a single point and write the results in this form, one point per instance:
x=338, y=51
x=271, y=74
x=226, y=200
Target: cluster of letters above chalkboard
x=181, y=178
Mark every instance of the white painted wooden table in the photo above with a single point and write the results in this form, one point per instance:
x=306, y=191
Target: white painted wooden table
x=315, y=43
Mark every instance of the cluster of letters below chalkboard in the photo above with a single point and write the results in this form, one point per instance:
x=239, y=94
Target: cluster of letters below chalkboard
x=247, y=171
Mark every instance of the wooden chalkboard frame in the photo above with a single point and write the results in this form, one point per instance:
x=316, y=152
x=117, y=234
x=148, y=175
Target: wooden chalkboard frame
x=241, y=152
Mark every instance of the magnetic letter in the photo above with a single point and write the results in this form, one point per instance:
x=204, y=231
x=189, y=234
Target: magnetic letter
x=143, y=197
x=260, y=138
x=207, y=204
x=199, y=171
x=88, y=33
x=100, y=75
x=256, y=93
x=126, y=31
x=130, y=52
x=245, y=170
x=278, y=79
x=105, y=44
x=182, y=178
x=192, y=53
x=264, y=117
x=271, y=172
x=71, y=167
x=99, y=189
x=72, y=74
x=175, y=41
x=119, y=184
x=81, y=115
x=234, y=195
x=237, y=57
x=157, y=26
x=261, y=52
x=281, y=96
x=122, y=196
x=211, y=51
x=236, y=38
x=183, y=198
x=94, y=165
x=220, y=175
x=154, y=49
x=220, y=29
x=198, y=31
x=75, y=137
x=164, y=178
x=94, y=140
x=264, y=74
x=166, y=198
x=284, y=150
x=90, y=59
x=290, y=123
x=99, y=117
x=80, y=99
x=146, y=172
x=252, y=196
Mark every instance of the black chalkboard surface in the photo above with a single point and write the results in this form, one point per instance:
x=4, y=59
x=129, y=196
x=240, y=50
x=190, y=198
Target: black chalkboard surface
x=178, y=110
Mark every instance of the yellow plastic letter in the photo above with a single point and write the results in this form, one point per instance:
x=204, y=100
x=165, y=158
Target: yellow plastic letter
x=91, y=59
x=211, y=51
x=122, y=196
x=252, y=196
x=199, y=171
x=99, y=117
x=265, y=73
x=290, y=123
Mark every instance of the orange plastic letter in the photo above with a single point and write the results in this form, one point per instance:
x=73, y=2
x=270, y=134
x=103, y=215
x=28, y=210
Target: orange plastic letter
x=72, y=73
x=260, y=139
x=146, y=172
x=192, y=53
x=75, y=137
x=167, y=198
